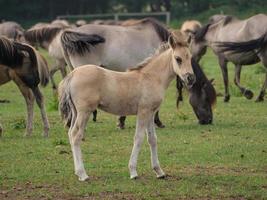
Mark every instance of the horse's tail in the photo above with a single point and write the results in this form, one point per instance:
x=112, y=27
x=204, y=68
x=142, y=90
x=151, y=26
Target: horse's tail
x=79, y=43
x=67, y=108
x=244, y=47
x=42, y=34
x=43, y=70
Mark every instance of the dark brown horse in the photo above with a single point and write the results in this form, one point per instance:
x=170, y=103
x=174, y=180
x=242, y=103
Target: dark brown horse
x=27, y=68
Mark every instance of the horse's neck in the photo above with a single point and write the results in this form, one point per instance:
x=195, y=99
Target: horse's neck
x=161, y=68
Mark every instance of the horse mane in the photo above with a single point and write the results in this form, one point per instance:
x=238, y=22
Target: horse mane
x=42, y=34
x=202, y=82
x=163, y=47
x=9, y=53
x=201, y=32
x=160, y=29
x=228, y=19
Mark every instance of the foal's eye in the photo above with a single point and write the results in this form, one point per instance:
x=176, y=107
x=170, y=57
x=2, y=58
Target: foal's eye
x=179, y=60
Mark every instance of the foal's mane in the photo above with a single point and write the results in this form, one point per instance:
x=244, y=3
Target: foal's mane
x=42, y=34
x=160, y=29
x=163, y=47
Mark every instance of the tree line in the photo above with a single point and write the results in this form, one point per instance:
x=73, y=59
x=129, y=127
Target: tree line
x=45, y=10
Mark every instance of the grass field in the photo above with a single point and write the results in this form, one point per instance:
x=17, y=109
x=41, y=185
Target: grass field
x=226, y=160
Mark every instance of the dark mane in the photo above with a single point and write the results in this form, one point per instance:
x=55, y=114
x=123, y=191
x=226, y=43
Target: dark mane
x=201, y=32
x=161, y=30
x=42, y=34
x=228, y=19
x=202, y=82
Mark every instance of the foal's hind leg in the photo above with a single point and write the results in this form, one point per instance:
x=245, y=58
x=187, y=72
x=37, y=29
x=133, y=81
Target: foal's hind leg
x=246, y=92
x=75, y=136
x=152, y=140
x=40, y=102
x=121, y=122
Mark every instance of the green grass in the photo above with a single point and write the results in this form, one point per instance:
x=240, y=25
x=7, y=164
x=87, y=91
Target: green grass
x=226, y=160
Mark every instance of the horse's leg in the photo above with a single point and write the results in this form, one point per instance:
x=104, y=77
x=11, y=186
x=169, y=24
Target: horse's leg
x=157, y=120
x=263, y=58
x=1, y=130
x=76, y=133
x=223, y=65
x=29, y=99
x=53, y=70
x=152, y=140
x=40, y=102
x=143, y=118
x=94, y=115
x=247, y=93
x=121, y=122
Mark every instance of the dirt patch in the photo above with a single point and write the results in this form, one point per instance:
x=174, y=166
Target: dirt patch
x=53, y=192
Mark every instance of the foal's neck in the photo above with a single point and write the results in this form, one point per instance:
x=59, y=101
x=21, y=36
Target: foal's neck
x=161, y=68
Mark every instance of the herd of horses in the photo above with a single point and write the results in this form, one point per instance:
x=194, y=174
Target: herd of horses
x=125, y=69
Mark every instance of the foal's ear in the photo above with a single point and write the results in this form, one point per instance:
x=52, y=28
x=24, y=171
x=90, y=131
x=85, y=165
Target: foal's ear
x=171, y=41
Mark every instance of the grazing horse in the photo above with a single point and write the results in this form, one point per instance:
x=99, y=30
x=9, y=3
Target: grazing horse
x=27, y=68
x=12, y=30
x=224, y=34
x=48, y=37
x=89, y=87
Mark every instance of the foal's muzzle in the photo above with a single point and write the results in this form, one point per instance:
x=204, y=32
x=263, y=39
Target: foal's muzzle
x=189, y=79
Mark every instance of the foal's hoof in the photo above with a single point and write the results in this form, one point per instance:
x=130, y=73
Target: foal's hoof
x=248, y=94
x=259, y=99
x=134, y=176
x=226, y=98
x=84, y=179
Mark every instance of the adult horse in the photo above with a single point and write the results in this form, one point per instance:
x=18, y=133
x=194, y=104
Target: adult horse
x=89, y=87
x=223, y=31
x=12, y=30
x=115, y=47
x=27, y=68
x=48, y=37
x=189, y=27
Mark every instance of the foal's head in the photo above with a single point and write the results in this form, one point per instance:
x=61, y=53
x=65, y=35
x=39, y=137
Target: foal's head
x=181, y=58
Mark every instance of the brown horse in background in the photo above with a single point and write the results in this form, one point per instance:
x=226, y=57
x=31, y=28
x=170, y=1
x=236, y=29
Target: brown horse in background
x=27, y=68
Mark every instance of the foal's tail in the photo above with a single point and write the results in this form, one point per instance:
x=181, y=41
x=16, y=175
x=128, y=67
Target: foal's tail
x=67, y=108
x=245, y=47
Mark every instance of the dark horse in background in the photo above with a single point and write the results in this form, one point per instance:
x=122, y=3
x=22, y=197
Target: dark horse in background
x=27, y=68
x=242, y=42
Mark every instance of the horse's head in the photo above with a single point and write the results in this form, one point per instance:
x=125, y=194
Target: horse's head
x=202, y=96
x=198, y=44
x=181, y=58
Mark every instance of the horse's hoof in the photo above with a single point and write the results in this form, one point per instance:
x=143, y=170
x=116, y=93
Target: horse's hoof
x=248, y=94
x=160, y=125
x=226, y=98
x=162, y=176
x=84, y=179
x=134, y=177
x=121, y=126
x=259, y=99
x=94, y=120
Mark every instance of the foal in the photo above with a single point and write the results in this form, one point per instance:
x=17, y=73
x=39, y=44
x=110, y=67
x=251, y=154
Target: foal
x=90, y=87
x=27, y=68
